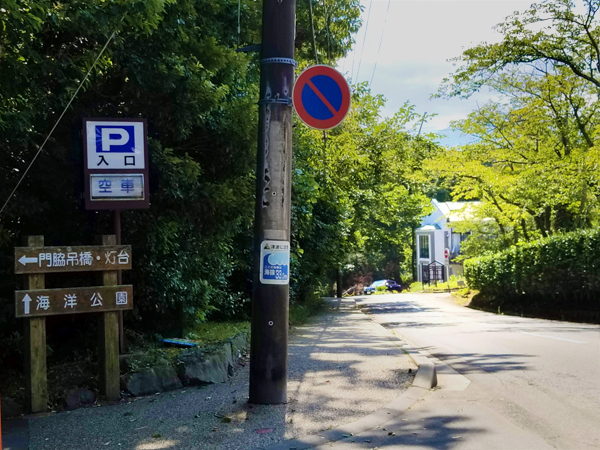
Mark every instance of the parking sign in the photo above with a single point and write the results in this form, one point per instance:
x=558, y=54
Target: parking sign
x=116, y=164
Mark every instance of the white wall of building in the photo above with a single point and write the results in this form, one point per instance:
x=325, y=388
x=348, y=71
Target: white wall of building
x=437, y=227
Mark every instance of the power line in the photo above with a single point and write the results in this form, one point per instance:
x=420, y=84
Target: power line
x=364, y=40
x=327, y=19
x=57, y=122
x=379, y=49
x=353, y=58
x=312, y=26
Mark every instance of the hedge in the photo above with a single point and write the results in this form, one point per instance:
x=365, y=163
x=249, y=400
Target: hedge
x=561, y=270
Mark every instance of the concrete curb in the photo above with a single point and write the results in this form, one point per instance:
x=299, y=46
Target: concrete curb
x=426, y=376
x=424, y=380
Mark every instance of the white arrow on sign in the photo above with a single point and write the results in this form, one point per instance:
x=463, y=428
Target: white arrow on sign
x=26, y=301
x=24, y=260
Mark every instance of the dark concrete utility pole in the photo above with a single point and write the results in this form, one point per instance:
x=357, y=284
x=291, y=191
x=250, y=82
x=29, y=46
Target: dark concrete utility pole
x=270, y=302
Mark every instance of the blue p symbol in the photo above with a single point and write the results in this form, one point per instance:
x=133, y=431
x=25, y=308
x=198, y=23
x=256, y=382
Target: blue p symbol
x=115, y=139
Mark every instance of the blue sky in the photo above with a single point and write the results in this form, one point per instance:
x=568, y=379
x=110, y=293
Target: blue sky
x=419, y=38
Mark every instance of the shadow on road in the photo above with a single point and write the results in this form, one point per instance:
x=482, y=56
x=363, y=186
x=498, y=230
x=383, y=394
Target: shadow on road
x=418, y=324
x=395, y=308
x=489, y=362
x=443, y=432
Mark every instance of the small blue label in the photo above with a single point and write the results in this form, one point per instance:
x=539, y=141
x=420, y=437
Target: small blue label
x=273, y=270
x=274, y=262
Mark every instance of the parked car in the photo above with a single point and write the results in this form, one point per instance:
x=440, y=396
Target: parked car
x=390, y=285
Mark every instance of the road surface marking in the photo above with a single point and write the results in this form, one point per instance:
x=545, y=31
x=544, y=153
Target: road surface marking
x=557, y=338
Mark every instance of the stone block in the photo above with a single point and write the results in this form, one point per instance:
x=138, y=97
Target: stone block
x=239, y=344
x=206, y=367
x=79, y=397
x=151, y=380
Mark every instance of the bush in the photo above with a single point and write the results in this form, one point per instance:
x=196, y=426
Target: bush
x=559, y=271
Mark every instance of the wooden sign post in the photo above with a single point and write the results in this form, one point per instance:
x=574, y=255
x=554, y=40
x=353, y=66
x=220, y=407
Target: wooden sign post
x=108, y=339
x=36, y=386
x=35, y=303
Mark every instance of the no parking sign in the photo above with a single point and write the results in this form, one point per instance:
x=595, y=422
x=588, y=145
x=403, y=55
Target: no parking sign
x=321, y=97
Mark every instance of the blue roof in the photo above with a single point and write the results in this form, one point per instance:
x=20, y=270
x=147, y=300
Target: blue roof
x=433, y=227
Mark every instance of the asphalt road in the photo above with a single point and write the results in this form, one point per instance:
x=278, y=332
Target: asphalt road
x=533, y=383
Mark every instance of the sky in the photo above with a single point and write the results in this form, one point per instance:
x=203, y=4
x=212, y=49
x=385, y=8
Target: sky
x=419, y=38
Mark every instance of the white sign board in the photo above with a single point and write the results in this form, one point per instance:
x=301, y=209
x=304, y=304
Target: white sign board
x=446, y=256
x=115, y=164
x=114, y=145
x=111, y=186
x=275, y=262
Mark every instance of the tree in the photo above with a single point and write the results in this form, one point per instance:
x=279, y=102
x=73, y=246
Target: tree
x=358, y=190
x=535, y=164
x=550, y=32
x=175, y=64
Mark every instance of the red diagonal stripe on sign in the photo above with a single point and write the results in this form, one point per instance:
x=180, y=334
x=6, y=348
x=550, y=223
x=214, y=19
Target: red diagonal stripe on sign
x=322, y=98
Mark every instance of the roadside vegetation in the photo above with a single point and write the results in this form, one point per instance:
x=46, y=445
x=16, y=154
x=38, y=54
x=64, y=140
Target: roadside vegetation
x=454, y=283
x=534, y=165
x=359, y=191
x=557, y=277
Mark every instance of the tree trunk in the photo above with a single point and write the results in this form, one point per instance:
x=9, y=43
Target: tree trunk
x=396, y=262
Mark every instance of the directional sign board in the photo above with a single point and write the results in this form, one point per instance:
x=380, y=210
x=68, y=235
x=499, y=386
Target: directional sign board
x=321, y=97
x=275, y=262
x=51, y=302
x=115, y=164
x=72, y=259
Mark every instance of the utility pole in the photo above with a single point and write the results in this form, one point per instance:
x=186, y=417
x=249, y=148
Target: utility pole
x=270, y=302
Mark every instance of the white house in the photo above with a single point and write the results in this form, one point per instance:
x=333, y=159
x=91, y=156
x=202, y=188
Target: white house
x=436, y=234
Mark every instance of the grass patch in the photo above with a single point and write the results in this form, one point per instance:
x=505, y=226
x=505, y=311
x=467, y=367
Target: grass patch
x=301, y=313
x=463, y=296
x=415, y=286
x=148, y=351
x=208, y=333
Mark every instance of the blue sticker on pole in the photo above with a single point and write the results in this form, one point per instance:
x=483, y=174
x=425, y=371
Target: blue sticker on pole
x=275, y=262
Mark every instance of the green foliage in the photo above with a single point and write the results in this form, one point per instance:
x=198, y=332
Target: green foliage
x=359, y=190
x=415, y=286
x=550, y=32
x=443, y=285
x=302, y=311
x=381, y=290
x=175, y=64
x=214, y=332
x=535, y=164
x=559, y=270
x=334, y=37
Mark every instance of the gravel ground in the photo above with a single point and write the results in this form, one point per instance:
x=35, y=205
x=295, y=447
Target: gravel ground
x=342, y=367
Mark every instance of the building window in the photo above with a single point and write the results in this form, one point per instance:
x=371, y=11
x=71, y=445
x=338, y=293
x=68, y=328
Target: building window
x=424, y=247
